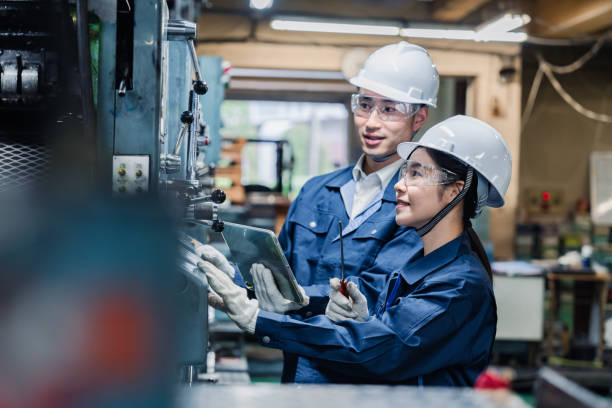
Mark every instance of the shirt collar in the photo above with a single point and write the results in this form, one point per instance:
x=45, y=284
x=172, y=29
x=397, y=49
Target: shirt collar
x=384, y=175
x=340, y=178
x=358, y=172
x=439, y=258
x=387, y=173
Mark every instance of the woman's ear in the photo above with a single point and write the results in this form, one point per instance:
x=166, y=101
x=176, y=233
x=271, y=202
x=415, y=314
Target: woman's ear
x=453, y=190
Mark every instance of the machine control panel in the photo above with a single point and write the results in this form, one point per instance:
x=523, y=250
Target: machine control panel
x=130, y=174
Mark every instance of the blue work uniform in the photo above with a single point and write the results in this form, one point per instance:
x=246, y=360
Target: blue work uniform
x=372, y=241
x=436, y=329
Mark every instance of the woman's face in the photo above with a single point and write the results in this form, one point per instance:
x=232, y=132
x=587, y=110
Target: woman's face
x=417, y=204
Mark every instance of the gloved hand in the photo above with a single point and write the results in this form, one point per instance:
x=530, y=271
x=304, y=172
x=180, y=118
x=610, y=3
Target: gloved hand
x=216, y=302
x=242, y=310
x=210, y=254
x=342, y=308
x=267, y=292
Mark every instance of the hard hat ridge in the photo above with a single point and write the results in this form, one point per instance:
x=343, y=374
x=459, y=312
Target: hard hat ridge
x=403, y=72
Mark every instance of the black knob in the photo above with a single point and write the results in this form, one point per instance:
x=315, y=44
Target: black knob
x=218, y=196
x=218, y=226
x=187, y=117
x=200, y=87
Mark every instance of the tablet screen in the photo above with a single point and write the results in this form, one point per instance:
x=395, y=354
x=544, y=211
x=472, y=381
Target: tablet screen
x=249, y=245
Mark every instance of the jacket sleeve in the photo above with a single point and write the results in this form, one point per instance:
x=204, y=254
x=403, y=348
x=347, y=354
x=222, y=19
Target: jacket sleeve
x=423, y=333
x=403, y=247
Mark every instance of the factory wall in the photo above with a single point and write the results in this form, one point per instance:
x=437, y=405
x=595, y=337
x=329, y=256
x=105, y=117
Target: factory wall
x=557, y=141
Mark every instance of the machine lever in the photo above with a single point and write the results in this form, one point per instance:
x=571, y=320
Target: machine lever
x=177, y=30
x=199, y=85
x=217, y=197
x=186, y=119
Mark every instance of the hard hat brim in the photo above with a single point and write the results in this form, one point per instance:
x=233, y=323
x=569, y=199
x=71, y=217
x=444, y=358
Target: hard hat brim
x=388, y=92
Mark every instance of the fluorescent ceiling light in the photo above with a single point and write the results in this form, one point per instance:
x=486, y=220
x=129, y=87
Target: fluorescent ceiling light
x=506, y=23
x=449, y=34
x=261, y=4
x=503, y=37
x=455, y=34
x=322, y=26
x=285, y=73
x=499, y=30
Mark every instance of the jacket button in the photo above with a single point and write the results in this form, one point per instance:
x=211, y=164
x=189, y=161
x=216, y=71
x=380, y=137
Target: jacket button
x=265, y=339
x=308, y=314
x=312, y=224
x=373, y=232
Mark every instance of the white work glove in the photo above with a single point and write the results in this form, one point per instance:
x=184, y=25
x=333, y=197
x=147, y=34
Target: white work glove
x=342, y=308
x=210, y=254
x=242, y=310
x=268, y=295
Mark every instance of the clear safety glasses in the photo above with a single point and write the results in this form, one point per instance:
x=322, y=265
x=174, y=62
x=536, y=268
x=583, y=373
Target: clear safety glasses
x=388, y=110
x=415, y=173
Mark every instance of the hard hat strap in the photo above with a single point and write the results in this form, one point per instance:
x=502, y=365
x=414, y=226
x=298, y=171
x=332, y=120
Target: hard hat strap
x=442, y=213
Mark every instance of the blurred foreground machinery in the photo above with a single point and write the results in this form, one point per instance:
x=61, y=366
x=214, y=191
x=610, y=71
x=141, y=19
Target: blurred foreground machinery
x=104, y=97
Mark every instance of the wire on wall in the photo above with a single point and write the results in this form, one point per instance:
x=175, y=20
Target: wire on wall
x=548, y=69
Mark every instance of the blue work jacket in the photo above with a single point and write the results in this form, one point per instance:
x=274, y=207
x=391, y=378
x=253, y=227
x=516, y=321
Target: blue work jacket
x=437, y=330
x=373, y=247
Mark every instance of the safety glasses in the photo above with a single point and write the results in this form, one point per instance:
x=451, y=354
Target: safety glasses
x=388, y=110
x=415, y=173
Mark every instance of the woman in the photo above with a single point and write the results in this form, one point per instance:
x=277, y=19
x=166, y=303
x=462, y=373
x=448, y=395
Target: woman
x=434, y=321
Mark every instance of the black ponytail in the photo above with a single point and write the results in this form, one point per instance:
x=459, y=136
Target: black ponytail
x=445, y=161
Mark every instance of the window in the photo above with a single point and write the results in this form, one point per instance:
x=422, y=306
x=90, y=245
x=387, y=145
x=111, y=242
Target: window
x=316, y=136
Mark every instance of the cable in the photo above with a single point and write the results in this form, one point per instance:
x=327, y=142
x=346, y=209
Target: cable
x=566, y=69
x=600, y=117
x=558, y=42
x=545, y=68
x=533, y=92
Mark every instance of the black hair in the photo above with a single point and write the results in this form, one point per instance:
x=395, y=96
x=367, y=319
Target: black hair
x=448, y=162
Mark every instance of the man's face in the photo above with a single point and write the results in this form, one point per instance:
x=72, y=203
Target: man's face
x=379, y=137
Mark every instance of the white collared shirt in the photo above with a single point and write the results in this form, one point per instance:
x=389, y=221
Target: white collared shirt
x=367, y=186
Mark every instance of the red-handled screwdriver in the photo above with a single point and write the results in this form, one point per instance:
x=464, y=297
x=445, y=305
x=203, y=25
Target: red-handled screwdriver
x=343, y=283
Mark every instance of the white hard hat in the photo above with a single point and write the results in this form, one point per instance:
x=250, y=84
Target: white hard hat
x=403, y=72
x=476, y=144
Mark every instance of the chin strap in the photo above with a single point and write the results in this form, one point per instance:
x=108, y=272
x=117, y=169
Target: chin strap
x=380, y=158
x=442, y=213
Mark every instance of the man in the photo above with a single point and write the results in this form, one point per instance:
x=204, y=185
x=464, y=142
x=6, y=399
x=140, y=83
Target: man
x=396, y=87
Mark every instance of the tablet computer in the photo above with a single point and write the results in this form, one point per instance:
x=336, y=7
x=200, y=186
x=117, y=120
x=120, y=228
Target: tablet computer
x=249, y=245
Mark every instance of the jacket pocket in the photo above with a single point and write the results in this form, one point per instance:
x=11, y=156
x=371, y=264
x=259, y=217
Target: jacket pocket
x=381, y=229
x=310, y=233
x=316, y=222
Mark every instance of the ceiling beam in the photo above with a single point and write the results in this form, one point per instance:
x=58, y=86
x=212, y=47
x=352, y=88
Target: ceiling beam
x=570, y=18
x=455, y=10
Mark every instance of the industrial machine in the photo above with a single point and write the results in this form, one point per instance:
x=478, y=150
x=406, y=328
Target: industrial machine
x=39, y=93
x=153, y=139
x=117, y=85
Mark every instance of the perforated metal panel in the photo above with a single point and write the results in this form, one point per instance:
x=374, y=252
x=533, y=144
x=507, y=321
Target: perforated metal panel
x=23, y=164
